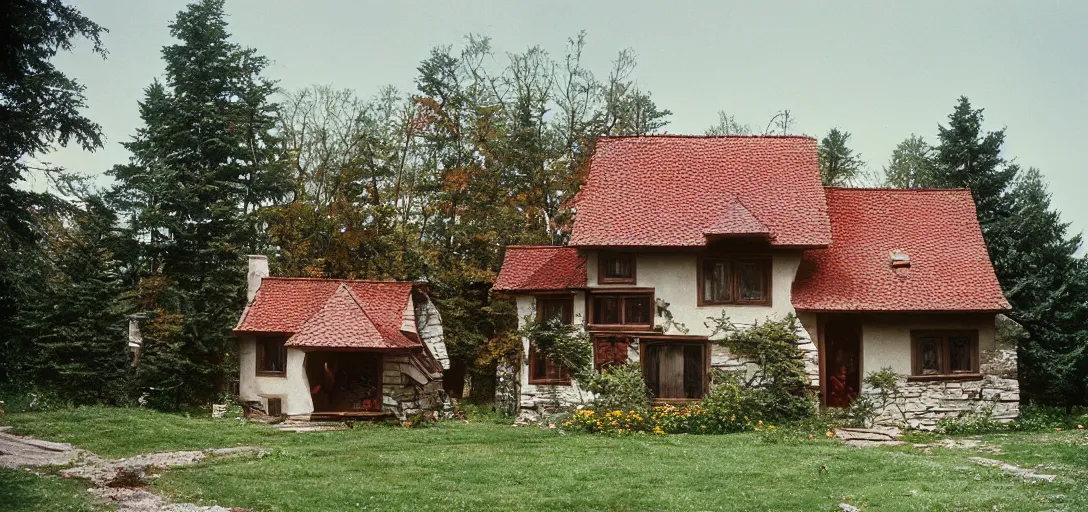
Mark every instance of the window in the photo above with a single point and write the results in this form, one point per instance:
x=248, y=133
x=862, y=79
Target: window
x=275, y=407
x=622, y=310
x=551, y=308
x=271, y=356
x=741, y=281
x=942, y=354
x=610, y=351
x=541, y=369
x=615, y=268
x=675, y=371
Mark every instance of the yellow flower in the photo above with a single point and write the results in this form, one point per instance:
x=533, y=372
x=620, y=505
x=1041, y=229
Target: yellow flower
x=830, y=434
x=771, y=427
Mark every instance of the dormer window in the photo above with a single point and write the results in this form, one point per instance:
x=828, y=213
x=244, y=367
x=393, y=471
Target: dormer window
x=616, y=268
x=900, y=259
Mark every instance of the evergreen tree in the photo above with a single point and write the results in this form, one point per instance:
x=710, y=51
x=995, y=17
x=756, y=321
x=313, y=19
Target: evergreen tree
x=968, y=158
x=39, y=107
x=75, y=318
x=911, y=165
x=201, y=166
x=838, y=163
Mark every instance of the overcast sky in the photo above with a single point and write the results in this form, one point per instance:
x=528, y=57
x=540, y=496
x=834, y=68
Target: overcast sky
x=880, y=70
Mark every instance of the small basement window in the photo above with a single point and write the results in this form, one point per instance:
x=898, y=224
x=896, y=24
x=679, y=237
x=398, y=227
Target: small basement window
x=944, y=354
x=271, y=356
x=275, y=407
x=615, y=268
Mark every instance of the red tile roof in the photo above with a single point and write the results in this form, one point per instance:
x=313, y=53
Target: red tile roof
x=677, y=191
x=342, y=322
x=541, y=268
x=308, y=307
x=950, y=269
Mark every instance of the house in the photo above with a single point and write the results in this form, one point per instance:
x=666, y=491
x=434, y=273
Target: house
x=327, y=348
x=671, y=231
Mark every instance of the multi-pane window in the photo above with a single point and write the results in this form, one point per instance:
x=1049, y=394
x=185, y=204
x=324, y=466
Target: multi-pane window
x=944, y=353
x=741, y=280
x=622, y=309
x=615, y=268
x=541, y=369
x=271, y=356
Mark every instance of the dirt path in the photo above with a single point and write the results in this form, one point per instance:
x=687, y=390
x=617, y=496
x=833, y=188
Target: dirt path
x=122, y=482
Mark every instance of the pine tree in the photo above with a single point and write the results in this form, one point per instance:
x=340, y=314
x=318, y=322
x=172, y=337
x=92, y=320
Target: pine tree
x=202, y=165
x=39, y=108
x=76, y=317
x=838, y=163
x=911, y=165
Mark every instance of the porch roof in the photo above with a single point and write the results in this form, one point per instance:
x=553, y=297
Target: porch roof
x=330, y=313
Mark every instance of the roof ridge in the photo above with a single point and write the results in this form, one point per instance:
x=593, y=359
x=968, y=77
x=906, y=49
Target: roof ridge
x=692, y=136
x=537, y=246
x=337, y=280
x=897, y=189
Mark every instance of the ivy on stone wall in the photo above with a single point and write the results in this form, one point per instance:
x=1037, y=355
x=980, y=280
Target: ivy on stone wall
x=561, y=343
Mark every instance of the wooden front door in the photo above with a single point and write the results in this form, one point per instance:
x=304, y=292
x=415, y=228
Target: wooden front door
x=841, y=371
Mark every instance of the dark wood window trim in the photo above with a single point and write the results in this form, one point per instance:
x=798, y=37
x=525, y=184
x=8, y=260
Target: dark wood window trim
x=602, y=263
x=622, y=295
x=559, y=375
x=260, y=356
x=767, y=264
x=646, y=343
x=944, y=355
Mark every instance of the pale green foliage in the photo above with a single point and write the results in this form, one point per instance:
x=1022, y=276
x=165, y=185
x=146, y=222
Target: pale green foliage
x=911, y=165
x=838, y=163
x=619, y=387
x=562, y=343
x=728, y=125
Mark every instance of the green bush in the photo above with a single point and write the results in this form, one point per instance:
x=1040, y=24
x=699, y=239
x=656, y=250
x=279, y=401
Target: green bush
x=619, y=388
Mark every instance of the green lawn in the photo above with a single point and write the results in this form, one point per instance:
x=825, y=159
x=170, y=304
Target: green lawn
x=486, y=466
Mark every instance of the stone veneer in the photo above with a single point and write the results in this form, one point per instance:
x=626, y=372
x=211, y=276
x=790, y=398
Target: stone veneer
x=407, y=390
x=920, y=405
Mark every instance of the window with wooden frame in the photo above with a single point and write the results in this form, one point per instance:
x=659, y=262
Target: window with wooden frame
x=271, y=356
x=541, y=369
x=610, y=351
x=944, y=354
x=741, y=280
x=615, y=268
x=675, y=370
x=622, y=310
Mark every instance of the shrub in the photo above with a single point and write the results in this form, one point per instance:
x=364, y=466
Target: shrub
x=561, y=343
x=619, y=388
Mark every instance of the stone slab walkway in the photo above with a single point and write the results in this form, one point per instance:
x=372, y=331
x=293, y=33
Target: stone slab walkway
x=121, y=482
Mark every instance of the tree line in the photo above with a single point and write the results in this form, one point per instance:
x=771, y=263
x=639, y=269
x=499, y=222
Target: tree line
x=486, y=150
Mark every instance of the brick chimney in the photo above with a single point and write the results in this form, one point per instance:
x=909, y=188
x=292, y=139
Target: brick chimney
x=258, y=269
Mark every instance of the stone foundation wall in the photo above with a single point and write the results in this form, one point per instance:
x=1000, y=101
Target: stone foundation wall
x=920, y=405
x=407, y=390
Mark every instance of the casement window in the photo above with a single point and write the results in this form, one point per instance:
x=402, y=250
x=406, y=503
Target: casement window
x=541, y=369
x=622, y=310
x=615, y=268
x=944, y=354
x=675, y=370
x=271, y=356
x=610, y=351
x=735, y=280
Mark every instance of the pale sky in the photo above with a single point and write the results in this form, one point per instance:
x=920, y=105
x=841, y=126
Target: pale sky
x=880, y=70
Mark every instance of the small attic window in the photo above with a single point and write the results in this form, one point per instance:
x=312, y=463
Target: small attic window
x=900, y=259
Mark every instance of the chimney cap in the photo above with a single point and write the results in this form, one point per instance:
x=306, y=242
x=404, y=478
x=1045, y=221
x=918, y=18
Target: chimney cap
x=258, y=257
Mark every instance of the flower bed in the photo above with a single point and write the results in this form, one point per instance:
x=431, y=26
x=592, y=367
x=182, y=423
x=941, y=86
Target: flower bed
x=663, y=419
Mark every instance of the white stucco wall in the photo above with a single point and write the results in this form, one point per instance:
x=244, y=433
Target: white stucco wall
x=532, y=395
x=674, y=276
x=886, y=338
x=293, y=388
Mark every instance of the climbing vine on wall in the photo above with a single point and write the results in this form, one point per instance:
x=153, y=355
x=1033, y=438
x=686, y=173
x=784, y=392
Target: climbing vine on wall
x=561, y=343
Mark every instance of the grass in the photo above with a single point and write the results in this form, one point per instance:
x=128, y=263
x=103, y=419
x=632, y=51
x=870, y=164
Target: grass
x=23, y=491
x=486, y=466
